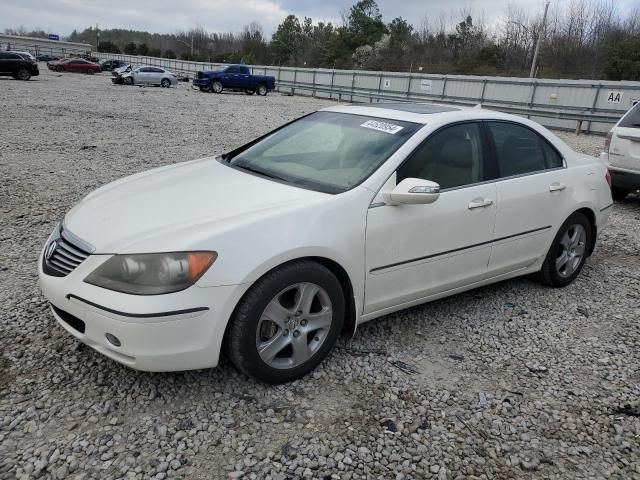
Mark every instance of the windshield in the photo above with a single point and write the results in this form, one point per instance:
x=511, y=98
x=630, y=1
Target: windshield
x=326, y=151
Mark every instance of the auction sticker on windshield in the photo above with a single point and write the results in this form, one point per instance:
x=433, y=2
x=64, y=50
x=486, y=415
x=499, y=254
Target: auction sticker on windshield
x=382, y=126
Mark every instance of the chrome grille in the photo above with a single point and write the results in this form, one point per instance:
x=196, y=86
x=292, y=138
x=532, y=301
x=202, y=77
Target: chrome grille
x=67, y=254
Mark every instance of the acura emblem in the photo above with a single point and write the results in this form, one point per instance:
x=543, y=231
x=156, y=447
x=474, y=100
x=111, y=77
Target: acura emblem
x=50, y=249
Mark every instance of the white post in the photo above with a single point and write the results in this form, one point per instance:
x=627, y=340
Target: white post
x=540, y=35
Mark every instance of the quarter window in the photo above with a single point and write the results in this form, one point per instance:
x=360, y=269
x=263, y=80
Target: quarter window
x=451, y=157
x=520, y=151
x=632, y=119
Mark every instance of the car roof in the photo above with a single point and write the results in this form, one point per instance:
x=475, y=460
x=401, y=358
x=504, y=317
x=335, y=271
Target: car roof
x=421, y=113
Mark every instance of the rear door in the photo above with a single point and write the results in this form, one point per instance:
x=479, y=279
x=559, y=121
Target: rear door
x=533, y=190
x=6, y=63
x=624, y=150
x=154, y=75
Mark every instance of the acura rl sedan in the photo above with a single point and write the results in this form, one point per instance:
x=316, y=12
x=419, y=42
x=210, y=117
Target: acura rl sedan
x=270, y=251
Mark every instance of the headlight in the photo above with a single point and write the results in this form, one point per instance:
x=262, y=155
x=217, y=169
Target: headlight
x=152, y=273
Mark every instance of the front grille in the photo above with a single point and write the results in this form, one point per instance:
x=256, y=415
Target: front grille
x=66, y=255
x=72, y=321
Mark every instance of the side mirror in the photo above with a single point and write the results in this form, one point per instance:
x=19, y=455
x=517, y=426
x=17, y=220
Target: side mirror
x=413, y=191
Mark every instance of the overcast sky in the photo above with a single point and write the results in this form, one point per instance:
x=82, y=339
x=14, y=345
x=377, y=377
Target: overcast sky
x=168, y=16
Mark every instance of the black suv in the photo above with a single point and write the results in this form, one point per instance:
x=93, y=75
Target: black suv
x=110, y=65
x=17, y=65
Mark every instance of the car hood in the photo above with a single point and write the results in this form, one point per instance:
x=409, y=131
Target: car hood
x=178, y=207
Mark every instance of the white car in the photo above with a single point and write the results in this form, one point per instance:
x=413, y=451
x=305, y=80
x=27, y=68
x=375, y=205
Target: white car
x=623, y=154
x=353, y=212
x=144, y=75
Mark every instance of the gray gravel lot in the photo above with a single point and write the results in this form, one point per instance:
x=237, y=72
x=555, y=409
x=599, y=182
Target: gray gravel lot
x=514, y=380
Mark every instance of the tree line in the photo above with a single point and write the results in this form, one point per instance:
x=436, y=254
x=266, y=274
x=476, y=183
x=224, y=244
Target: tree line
x=581, y=39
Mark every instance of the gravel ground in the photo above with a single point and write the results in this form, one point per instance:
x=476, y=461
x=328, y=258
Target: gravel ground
x=514, y=380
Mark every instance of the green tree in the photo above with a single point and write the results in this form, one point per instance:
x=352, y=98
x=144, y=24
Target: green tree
x=365, y=25
x=623, y=61
x=108, y=47
x=169, y=54
x=285, y=43
x=142, y=49
x=130, y=48
x=155, y=52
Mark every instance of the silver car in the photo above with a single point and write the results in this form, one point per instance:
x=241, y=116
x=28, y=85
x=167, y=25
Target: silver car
x=145, y=75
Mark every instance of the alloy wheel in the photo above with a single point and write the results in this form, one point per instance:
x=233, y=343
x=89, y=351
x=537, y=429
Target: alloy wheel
x=571, y=250
x=24, y=75
x=294, y=325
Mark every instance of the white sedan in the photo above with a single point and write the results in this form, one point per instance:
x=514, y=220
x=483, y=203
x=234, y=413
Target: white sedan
x=272, y=250
x=145, y=75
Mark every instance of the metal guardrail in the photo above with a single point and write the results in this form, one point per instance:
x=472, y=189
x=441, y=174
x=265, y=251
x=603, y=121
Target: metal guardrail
x=581, y=105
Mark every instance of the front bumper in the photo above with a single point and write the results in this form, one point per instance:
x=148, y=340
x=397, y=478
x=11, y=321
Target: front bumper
x=157, y=333
x=201, y=82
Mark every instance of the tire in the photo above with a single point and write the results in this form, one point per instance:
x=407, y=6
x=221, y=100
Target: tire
x=262, y=90
x=128, y=81
x=619, y=194
x=23, y=74
x=89, y=72
x=300, y=346
x=165, y=83
x=205, y=89
x=248, y=91
x=59, y=69
x=568, y=252
x=216, y=86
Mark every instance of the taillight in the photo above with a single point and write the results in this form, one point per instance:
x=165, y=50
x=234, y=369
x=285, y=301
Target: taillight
x=608, y=178
x=607, y=140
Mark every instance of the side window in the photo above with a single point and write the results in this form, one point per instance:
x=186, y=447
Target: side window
x=520, y=150
x=451, y=157
x=13, y=56
x=4, y=56
x=232, y=70
x=244, y=70
x=632, y=119
x=144, y=70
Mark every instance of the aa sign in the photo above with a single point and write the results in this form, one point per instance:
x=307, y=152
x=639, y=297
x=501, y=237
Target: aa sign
x=614, y=97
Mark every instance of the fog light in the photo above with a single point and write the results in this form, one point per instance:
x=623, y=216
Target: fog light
x=113, y=340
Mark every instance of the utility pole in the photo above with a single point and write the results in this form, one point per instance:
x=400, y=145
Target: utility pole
x=540, y=35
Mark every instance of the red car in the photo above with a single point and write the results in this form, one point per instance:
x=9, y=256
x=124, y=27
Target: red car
x=74, y=65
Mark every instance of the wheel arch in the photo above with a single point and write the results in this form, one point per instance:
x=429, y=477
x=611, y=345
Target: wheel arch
x=591, y=216
x=351, y=312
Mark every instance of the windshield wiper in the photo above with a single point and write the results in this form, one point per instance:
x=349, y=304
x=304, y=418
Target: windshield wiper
x=259, y=171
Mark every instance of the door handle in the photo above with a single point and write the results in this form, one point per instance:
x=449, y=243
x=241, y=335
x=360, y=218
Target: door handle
x=557, y=187
x=480, y=203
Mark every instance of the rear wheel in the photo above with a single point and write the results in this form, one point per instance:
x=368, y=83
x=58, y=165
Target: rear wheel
x=262, y=90
x=89, y=72
x=619, y=194
x=568, y=252
x=23, y=74
x=216, y=86
x=286, y=323
x=165, y=83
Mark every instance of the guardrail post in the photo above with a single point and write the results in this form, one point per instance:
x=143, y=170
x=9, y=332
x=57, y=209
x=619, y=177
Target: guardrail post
x=484, y=87
x=379, y=87
x=408, y=86
x=444, y=86
x=594, y=105
x=534, y=87
x=313, y=92
x=353, y=81
x=278, y=79
x=295, y=79
x=333, y=72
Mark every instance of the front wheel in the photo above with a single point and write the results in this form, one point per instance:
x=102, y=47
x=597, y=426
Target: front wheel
x=216, y=87
x=128, y=81
x=619, y=194
x=286, y=323
x=23, y=74
x=568, y=252
x=262, y=90
x=249, y=91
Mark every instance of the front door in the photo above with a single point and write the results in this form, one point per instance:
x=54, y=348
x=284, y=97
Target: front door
x=416, y=251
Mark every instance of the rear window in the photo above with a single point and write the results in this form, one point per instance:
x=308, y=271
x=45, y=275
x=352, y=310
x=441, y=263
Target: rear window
x=632, y=118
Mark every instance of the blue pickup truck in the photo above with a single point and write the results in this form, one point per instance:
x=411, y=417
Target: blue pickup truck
x=234, y=77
